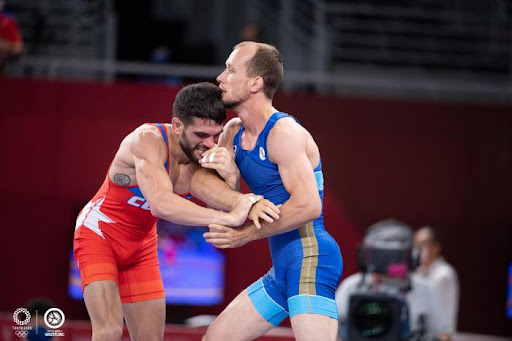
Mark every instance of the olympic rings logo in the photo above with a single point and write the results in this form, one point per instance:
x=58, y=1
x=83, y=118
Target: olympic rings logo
x=16, y=315
x=21, y=333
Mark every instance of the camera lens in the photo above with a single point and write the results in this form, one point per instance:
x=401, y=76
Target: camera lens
x=373, y=319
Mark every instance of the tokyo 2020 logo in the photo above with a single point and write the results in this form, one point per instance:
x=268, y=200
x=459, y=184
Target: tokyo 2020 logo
x=21, y=316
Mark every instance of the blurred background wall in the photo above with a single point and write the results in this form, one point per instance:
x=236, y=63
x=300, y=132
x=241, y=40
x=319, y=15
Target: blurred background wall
x=409, y=101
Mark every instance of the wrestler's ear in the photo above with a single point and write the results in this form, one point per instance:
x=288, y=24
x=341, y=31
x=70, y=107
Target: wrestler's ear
x=177, y=126
x=256, y=84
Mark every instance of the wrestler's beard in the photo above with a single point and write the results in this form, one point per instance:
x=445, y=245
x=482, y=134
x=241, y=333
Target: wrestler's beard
x=232, y=104
x=189, y=150
x=236, y=101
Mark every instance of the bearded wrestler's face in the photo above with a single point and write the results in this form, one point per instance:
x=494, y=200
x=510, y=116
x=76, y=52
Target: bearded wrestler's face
x=198, y=137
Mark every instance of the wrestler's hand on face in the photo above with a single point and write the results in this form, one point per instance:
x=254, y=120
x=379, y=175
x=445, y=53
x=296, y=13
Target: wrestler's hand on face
x=222, y=160
x=243, y=205
x=224, y=237
x=265, y=210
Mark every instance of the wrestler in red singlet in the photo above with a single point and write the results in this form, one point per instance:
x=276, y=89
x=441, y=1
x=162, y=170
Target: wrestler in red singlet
x=115, y=239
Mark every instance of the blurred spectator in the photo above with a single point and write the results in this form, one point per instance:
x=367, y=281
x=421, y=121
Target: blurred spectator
x=161, y=54
x=251, y=32
x=441, y=275
x=11, y=41
x=386, y=262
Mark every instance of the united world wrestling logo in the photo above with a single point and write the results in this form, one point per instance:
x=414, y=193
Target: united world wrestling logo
x=54, y=318
x=21, y=316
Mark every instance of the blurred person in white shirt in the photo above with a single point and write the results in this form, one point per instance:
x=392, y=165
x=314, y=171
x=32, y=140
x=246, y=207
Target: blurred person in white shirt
x=441, y=276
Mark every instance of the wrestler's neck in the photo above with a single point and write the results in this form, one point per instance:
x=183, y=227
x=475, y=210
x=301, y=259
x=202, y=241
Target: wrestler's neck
x=255, y=113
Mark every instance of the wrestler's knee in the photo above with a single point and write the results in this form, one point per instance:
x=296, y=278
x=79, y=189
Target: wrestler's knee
x=215, y=334
x=107, y=333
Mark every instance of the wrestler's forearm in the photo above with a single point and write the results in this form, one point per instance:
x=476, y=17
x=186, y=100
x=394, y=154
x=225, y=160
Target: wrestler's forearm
x=293, y=214
x=171, y=207
x=207, y=186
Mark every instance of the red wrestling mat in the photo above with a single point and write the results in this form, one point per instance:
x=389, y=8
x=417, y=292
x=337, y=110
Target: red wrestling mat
x=81, y=331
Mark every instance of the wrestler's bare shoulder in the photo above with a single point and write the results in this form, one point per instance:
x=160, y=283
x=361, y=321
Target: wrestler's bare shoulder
x=234, y=123
x=145, y=138
x=229, y=132
x=287, y=129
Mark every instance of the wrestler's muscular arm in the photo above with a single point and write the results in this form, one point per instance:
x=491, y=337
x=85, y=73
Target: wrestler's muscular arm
x=287, y=144
x=149, y=154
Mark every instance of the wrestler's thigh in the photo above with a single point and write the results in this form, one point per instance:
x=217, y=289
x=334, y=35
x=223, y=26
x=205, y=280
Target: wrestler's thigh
x=314, y=327
x=145, y=319
x=104, y=307
x=239, y=321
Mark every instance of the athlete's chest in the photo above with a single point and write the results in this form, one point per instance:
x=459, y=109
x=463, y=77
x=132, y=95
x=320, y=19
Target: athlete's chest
x=252, y=149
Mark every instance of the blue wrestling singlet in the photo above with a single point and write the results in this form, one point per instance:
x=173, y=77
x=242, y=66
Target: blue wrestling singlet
x=307, y=262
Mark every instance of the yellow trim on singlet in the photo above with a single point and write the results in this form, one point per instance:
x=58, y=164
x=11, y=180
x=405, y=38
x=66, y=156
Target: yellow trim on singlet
x=307, y=284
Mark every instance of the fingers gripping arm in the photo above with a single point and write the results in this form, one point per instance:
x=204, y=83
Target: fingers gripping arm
x=222, y=160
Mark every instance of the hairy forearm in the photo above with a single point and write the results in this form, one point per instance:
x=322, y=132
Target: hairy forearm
x=293, y=214
x=207, y=186
x=170, y=207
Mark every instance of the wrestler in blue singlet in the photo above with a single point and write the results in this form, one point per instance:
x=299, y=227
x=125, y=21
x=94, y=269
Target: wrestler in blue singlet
x=307, y=262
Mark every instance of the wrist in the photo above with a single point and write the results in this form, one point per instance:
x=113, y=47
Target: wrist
x=252, y=233
x=227, y=219
x=236, y=199
x=232, y=180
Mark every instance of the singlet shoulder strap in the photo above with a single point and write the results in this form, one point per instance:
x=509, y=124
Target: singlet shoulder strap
x=238, y=136
x=262, y=138
x=270, y=124
x=163, y=130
